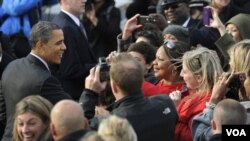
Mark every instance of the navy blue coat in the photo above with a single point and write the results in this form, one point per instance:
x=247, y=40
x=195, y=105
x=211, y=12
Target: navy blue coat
x=78, y=58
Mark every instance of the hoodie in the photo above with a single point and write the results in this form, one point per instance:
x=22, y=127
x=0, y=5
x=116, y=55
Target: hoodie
x=241, y=21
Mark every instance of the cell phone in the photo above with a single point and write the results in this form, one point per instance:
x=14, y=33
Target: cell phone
x=236, y=81
x=143, y=19
x=104, y=69
x=206, y=15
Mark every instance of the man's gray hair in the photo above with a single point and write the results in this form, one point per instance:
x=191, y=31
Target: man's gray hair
x=42, y=31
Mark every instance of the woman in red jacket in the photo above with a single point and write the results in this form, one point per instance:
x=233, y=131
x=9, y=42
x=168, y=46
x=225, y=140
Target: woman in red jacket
x=201, y=69
x=167, y=66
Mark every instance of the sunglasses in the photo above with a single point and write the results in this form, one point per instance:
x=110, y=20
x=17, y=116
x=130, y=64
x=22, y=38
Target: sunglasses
x=169, y=44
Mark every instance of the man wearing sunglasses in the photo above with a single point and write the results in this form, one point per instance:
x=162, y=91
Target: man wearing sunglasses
x=178, y=12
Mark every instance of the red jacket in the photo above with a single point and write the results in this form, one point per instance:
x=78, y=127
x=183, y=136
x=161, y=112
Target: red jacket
x=187, y=109
x=150, y=89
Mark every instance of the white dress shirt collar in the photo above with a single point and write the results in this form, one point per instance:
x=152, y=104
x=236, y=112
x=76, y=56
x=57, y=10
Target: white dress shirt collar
x=185, y=24
x=46, y=65
x=73, y=17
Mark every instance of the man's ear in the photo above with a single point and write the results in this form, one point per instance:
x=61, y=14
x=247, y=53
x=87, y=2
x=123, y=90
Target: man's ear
x=39, y=44
x=213, y=125
x=113, y=87
x=53, y=130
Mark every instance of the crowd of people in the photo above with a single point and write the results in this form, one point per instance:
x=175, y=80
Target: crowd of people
x=168, y=75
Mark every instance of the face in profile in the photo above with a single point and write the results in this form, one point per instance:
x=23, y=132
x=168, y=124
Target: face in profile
x=54, y=49
x=163, y=67
x=233, y=30
x=30, y=127
x=189, y=78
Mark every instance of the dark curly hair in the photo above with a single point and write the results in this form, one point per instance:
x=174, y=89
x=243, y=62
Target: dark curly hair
x=147, y=50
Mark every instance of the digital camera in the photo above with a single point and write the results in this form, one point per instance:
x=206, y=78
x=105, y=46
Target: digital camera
x=143, y=19
x=236, y=81
x=104, y=69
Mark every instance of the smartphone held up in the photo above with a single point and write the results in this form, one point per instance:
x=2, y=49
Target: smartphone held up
x=206, y=15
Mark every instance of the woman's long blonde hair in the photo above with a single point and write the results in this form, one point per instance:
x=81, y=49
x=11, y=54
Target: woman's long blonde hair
x=36, y=105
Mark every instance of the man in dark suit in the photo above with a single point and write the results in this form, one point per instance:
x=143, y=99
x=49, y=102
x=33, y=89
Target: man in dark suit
x=78, y=58
x=178, y=12
x=31, y=75
x=152, y=118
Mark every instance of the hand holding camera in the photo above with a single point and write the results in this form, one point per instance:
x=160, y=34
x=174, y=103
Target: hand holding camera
x=93, y=82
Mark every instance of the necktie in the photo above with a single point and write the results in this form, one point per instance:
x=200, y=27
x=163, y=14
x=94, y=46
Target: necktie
x=83, y=30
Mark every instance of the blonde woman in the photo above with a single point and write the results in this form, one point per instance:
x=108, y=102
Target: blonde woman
x=240, y=64
x=200, y=69
x=113, y=128
x=117, y=128
x=32, y=119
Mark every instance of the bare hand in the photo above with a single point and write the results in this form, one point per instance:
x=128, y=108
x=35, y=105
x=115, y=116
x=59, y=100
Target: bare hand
x=215, y=22
x=130, y=26
x=176, y=97
x=92, y=82
x=221, y=87
x=111, y=56
x=159, y=20
x=101, y=111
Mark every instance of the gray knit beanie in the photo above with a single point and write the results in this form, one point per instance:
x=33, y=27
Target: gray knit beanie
x=181, y=33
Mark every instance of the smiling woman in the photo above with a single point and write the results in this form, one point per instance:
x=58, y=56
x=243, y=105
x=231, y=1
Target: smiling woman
x=32, y=119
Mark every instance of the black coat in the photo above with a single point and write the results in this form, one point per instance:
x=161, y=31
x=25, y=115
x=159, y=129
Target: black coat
x=152, y=118
x=24, y=77
x=102, y=37
x=215, y=137
x=78, y=58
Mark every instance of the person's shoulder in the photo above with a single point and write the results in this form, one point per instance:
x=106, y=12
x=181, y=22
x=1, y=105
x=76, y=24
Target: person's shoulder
x=160, y=98
x=61, y=19
x=15, y=62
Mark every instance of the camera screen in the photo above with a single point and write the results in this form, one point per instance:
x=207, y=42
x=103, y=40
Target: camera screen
x=104, y=69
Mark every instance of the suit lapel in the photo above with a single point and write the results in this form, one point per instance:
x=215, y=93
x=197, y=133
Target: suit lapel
x=67, y=17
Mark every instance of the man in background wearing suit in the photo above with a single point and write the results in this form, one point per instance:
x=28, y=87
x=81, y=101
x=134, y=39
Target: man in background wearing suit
x=78, y=59
x=31, y=75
